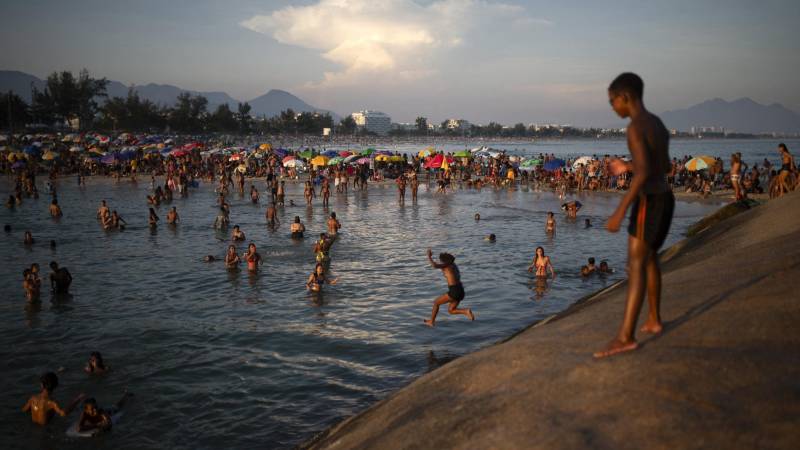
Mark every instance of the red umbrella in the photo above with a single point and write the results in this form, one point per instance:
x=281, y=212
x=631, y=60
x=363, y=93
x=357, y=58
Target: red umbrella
x=345, y=154
x=435, y=162
x=179, y=153
x=288, y=158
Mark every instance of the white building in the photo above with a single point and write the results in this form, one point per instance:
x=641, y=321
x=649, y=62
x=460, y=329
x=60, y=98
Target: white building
x=373, y=121
x=458, y=125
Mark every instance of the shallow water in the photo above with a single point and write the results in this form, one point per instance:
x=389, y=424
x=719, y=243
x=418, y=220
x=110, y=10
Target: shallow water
x=229, y=360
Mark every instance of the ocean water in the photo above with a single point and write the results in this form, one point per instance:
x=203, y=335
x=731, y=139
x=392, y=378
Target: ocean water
x=220, y=359
x=753, y=150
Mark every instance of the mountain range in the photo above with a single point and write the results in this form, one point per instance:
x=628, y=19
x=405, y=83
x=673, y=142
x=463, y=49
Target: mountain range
x=269, y=104
x=742, y=116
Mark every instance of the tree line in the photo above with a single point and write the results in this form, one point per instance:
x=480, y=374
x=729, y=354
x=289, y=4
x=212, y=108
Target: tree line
x=83, y=102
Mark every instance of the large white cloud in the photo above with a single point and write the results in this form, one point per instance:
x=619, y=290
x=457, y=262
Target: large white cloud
x=399, y=40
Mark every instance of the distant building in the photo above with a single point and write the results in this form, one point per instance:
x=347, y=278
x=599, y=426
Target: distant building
x=459, y=125
x=404, y=126
x=708, y=130
x=373, y=122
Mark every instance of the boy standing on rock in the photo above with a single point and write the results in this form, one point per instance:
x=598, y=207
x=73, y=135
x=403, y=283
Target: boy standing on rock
x=651, y=214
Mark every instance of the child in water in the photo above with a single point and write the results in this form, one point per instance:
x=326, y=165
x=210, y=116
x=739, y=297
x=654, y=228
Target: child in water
x=95, y=419
x=95, y=365
x=42, y=407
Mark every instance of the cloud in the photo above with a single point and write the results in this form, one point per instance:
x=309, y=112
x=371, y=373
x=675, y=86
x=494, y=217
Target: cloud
x=397, y=40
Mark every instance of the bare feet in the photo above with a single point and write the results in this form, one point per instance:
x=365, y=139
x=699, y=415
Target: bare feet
x=429, y=322
x=470, y=314
x=616, y=346
x=652, y=327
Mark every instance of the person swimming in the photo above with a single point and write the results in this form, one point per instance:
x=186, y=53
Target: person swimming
x=232, y=260
x=541, y=263
x=297, y=228
x=41, y=406
x=477, y=217
x=491, y=238
x=95, y=365
x=237, y=234
x=604, y=267
x=550, y=224
x=317, y=279
x=98, y=420
x=253, y=258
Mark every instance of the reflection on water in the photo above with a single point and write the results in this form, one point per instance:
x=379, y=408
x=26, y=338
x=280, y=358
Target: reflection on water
x=230, y=359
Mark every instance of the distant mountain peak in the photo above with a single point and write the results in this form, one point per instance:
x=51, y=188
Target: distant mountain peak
x=743, y=115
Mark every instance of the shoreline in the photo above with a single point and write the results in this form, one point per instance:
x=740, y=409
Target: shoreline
x=409, y=401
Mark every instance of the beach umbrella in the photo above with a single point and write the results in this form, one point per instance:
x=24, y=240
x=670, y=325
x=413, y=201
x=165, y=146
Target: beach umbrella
x=384, y=152
x=345, y=153
x=527, y=168
x=265, y=147
x=296, y=163
x=235, y=157
x=382, y=158
x=462, y=154
x=287, y=159
x=368, y=152
x=319, y=160
x=31, y=150
x=583, y=160
x=700, y=163
x=554, y=164
x=438, y=161
x=306, y=154
x=49, y=156
x=109, y=159
x=531, y=162
x=479, y=149
x=281, y=152
x=76, y=149
x=363, y=161
x=426, y=152
x=179, y=152
x=335, y=161
x=351, y=158
x=331, y=153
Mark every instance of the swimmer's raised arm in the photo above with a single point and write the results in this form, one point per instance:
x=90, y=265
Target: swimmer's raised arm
x=433, y=263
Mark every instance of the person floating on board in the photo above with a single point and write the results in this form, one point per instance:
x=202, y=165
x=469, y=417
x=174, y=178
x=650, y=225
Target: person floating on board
x=652, y=206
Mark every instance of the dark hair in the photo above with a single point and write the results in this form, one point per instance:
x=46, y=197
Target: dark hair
x=782, y=146
x=296, y=219
x=99, y=358
x=447, y=258
x=26, y=272
x=628, y=83
x=333, y=215
x=54, y=202
x=603, y=263
x=53, y=264
x=49, y=381
x=90, y=401
x=591, y=260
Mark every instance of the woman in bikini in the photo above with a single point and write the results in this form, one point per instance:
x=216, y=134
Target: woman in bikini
x=550, y=224
x=297, y=228
x=317, y=279
x=232, y=258
x=325, y=191
x=541, y=263
x=309, y=192
x=736, y=176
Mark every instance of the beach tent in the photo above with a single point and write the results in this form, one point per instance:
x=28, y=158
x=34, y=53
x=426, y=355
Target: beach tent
x=700, y=163
x=583, y=160
x=554, y=164
x=296, y=163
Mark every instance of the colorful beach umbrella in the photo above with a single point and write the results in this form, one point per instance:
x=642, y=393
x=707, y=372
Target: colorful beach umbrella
x=363, y=160
x=331, y=153
x=462, y=154
x=320, y=160
x=306, y=154
x=554, y=164
x=49, y=155
x=296, y=163
x=335, y=161
x=368, y=152
x=287, y=159
x=700, y=163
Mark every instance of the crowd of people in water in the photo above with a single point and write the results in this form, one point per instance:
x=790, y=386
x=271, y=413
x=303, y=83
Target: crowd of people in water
x=181, y=173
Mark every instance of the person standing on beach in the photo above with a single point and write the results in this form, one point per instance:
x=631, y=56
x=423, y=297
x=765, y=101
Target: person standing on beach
x=652, y=207
x=455, y=290
x=736, y=177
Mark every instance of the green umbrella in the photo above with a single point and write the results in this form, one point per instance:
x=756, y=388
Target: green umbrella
x=462, y=154
x=531, y=162
x=368, y=151
x=335, y=161
x=306, y=154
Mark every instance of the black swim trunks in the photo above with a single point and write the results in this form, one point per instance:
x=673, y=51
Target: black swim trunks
x=297, y=235
x=651, y=217
x=456, y=292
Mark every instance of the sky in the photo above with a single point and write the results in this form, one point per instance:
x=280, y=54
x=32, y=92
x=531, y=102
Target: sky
x=508, y=61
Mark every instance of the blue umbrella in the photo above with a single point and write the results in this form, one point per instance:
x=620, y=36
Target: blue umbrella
x=31, y=150
x=109, y=159
x=554, y=164
x=331, y=153
x=282, y=152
